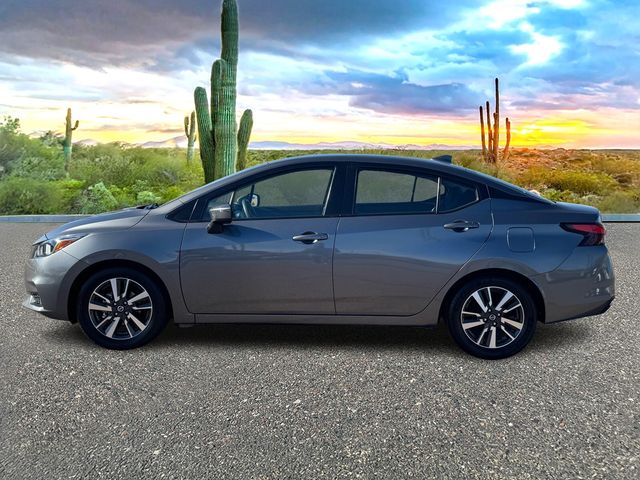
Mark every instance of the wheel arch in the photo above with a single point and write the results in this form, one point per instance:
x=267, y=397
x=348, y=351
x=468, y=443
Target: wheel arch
x=531, y=287
x=72, y=300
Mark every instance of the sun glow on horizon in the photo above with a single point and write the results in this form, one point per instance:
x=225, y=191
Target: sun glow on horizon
x=569, y=131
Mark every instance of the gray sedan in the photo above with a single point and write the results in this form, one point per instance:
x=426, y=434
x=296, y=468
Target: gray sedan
x=349, y=239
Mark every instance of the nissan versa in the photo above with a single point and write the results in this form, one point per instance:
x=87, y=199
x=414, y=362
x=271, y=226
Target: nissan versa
x=333, y=239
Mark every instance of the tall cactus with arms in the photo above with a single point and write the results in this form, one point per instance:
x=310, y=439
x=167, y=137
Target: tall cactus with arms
x=190, y=132
x=217, y=130
x=68, y=133
x=491, y=143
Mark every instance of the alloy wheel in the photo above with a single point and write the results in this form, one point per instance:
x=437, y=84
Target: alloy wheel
x=492, y=317
x=120, y=308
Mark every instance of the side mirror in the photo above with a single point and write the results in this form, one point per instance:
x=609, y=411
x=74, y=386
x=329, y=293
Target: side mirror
x=220, y=216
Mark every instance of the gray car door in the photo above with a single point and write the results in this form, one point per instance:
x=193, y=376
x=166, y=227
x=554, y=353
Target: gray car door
x=275, y=256
x=408, y=234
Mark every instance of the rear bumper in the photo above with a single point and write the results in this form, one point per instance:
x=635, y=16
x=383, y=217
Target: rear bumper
x=596, y=311
x=583, y=285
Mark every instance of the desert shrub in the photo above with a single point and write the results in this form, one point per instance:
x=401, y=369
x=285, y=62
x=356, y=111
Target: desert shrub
x=171, y=192
x=141, y=186
x=579, y=182
x=125, y=196
x=27, y=157
x=21, y=196
x=126, y=167
x=102, y=163
x=478, y=164
x=620, y=202
x=70, y=195
x=555, y=195
x=146, y=198
x=48, y=165
x=155, y=166
x=10, y=142
x=625, y=170
x=96, y=199
x=613, y=202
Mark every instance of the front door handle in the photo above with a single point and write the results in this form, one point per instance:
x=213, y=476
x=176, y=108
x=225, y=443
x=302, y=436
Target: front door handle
x=461, y=225
x=310, y=237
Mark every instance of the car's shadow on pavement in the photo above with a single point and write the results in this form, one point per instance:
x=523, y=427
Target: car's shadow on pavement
x=330, y=336
x=546, y=338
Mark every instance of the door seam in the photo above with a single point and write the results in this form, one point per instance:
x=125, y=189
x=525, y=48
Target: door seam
x=333, y=256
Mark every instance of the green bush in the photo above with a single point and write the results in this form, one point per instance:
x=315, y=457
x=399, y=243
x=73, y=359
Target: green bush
x=97, y=199
x=620, y=202
x=147, y=198
x=171, y=192
x=581, y=183
x=626, y=171
x=23, y=196
x=102, y=163
x=27, y=157
x=48, y=165
x=70, y=195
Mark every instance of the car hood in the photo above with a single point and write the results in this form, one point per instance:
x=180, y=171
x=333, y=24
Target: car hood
x=120, y=220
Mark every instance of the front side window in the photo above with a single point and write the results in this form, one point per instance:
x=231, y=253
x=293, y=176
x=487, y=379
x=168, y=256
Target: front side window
x=385, y=192
x=302, y=193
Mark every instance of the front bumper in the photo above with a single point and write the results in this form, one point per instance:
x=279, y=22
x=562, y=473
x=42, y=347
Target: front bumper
x=47, y=286
x=583, y=285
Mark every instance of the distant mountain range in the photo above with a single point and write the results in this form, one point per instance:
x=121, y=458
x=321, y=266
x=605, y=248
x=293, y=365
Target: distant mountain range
x=181, y=142
x=88, y=142
x=352, y=145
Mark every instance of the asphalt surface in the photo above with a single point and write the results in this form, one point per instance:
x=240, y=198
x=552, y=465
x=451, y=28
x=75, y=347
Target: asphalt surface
x=318, y=402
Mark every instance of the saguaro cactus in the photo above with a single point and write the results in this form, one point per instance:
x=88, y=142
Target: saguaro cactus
x=190, y=132
x=219, y=137
x=491, y=145
x=244, y=132
x=67, y=144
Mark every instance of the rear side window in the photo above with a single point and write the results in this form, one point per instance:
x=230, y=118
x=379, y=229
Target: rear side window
x=455, y=195
x=386, y=192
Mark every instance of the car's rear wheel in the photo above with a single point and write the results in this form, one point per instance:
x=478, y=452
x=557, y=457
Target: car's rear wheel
x=121, y=308
x=492, y=317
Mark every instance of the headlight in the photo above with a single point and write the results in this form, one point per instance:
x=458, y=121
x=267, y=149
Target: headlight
x=48, y=247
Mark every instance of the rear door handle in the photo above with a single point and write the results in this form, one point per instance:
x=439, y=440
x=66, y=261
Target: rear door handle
x=461, y=225
x=310, y=237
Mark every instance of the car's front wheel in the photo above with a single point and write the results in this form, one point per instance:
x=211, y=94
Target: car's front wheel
x=492, y=317
x=121, y=308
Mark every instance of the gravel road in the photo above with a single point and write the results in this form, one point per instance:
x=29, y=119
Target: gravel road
x=308, y=402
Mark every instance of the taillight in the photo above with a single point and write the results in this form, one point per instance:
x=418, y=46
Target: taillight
x=593, y=233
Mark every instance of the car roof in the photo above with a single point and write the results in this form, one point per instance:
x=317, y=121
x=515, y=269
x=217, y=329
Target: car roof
x=387, y=160
x=360, y=158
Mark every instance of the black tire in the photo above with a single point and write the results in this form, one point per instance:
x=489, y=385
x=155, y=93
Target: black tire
x=153, y=313
x=471, y=338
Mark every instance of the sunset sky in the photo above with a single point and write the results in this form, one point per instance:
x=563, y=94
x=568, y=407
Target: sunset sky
x=399, y=72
